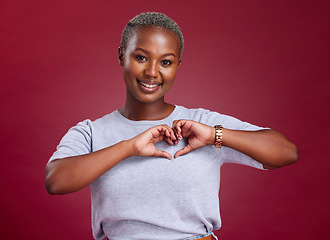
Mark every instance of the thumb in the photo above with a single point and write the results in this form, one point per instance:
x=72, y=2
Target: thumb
x=159, y=153
x=183, y=151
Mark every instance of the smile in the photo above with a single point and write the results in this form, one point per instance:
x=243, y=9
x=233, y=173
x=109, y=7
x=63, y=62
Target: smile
x=147, y=85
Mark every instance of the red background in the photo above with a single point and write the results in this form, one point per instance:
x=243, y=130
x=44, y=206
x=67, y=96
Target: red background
x=263, y=61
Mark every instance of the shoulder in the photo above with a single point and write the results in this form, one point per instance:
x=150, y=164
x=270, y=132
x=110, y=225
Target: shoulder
x=195, y=113
x=110, y=117
x=87, y=126
x=212, y=118
x=199, y=114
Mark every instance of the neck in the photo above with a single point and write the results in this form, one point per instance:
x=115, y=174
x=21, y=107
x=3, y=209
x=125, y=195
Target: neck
x=137, y=111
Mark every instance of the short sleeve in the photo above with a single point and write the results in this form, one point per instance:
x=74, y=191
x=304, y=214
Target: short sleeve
x=213, y=118
x=229, y=155
x=77, y=141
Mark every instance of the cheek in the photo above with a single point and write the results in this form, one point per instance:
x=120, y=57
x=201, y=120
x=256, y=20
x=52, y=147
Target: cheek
x=131, y=69
x=169, y=75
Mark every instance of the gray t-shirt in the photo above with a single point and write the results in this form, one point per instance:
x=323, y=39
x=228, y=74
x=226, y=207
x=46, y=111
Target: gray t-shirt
x=151, y=197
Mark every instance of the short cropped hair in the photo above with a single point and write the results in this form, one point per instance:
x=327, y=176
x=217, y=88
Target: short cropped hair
x=151, y=19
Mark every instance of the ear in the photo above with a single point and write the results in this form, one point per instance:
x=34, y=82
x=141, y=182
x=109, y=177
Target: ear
x=179, y=63
x=121, y=56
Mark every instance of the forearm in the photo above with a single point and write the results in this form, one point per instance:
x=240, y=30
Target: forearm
x=268, y=147
x=74, y=173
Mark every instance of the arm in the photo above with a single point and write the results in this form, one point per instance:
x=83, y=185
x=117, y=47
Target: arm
x=74, y=173
x=268, y=147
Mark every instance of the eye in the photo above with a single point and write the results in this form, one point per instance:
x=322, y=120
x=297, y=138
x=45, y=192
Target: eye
x=141, y=58
x=166, y=62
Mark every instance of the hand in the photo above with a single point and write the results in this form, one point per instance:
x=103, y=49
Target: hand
x=198, y=134
x=144, y=143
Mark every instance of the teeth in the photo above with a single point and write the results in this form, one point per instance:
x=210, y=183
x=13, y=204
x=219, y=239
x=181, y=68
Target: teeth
x=148, y=85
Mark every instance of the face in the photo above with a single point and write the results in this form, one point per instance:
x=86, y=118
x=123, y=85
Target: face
x=150, y=62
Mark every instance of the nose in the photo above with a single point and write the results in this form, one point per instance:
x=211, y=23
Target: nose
x=151, y=70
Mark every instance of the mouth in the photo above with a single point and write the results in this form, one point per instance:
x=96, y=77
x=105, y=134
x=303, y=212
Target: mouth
x=149, y=86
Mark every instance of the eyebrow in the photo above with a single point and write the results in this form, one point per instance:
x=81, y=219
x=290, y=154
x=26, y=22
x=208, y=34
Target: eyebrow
x=147, y=52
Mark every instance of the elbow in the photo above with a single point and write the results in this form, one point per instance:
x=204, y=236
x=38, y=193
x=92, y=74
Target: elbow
x=52, y=188
x=50, y=183
x=288, y=152
x=57, y=184
x=55, y=189
x=293, y=155
x=53, y=182
x=288, y=157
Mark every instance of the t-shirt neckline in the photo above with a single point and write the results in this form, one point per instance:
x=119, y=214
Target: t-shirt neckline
x=119, y=115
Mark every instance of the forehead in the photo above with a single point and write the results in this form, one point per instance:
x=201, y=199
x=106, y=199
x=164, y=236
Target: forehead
x=154, y=38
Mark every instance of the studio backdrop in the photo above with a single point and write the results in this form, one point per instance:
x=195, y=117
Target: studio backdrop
x=264, y=62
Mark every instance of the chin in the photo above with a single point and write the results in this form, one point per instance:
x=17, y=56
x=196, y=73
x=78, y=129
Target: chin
x=149, y=100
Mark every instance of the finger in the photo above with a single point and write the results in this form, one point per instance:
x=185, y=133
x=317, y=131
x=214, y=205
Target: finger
x=186, y=128
x=172, y=133
x=159, y=153
x=169, y=140
x=160, y=132
x=164, y=132
x=177, y=128
x=169, y=133
x=183, y=151
x=173, y=136
x=174, y=123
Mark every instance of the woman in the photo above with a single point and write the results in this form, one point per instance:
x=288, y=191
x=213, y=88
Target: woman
x=137, y=193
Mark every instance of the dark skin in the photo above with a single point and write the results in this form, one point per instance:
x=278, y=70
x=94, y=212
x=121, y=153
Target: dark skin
x=150, y=63
x=151, y=59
